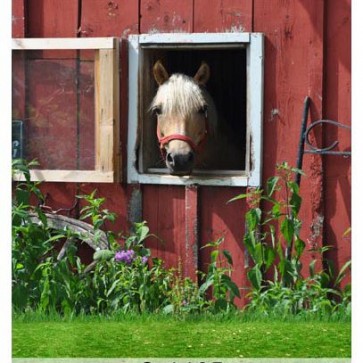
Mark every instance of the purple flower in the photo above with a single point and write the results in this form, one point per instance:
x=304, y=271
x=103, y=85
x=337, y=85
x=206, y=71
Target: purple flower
x=144, y=259
x=125, y=256
x=118, y=256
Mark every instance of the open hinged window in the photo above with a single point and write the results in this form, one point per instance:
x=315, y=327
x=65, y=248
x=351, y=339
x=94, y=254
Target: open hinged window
x=235, y=62
x=66, y=108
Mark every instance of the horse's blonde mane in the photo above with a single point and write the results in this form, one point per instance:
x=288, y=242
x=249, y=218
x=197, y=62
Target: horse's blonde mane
x=182, y=95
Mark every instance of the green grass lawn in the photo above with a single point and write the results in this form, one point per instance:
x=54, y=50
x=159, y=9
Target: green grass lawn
x=136, y=337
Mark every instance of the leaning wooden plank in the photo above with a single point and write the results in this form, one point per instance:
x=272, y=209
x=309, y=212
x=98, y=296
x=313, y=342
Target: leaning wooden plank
x=85, y=230
x=77, y=176
x=116, y=114
x=105, y=116
x=63, y=43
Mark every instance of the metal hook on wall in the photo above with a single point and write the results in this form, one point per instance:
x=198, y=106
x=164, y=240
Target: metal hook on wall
x=304, y=139
x=326, y=150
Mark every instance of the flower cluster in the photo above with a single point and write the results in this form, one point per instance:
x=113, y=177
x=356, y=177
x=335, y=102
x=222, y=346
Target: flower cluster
x=125, y=256
x=128, y=257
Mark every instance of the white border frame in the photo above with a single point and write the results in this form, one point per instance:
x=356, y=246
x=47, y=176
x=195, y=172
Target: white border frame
x=254, y=43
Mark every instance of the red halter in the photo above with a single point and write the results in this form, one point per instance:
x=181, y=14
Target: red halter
x=163, y=140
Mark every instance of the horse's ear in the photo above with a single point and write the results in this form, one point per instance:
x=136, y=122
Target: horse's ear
x=202, y=75
x=160, y=73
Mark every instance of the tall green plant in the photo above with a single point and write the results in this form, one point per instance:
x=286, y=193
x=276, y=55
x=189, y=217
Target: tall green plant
x=218, y=277
x=273, y=242
x=272, y=237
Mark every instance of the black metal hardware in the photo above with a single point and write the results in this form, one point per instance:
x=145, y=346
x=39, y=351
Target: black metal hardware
x=304, y=139
x=325, y=150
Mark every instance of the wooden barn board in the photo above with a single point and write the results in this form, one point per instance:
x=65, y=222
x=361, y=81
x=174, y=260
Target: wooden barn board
x=164, y=209
x=163, y=16
x=51, y=18
x=120, y=18
x=63, y=43
x=223, y=16
x=293, y=70
x=107, y=111
x=108, y=18
x=337, y=106
x=217, y=219
x=18, y=18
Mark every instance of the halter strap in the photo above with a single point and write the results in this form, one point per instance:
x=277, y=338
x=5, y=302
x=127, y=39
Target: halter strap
x=195, y=147
x=164, y=140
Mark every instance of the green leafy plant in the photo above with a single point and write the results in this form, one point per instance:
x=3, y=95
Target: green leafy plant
x=218, y=277
x=134, y=286
x=124, y=277
x=273, y=243
x=185, y=295
x=272, y=237
x=39, y=280
x=98, y=216
x=215, y=292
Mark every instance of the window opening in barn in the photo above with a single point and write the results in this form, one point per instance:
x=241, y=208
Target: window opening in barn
x=229, y=85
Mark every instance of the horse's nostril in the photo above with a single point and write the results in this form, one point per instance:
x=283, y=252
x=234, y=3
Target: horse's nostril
x=190, y=157
x=170, y=158
x=180, y=163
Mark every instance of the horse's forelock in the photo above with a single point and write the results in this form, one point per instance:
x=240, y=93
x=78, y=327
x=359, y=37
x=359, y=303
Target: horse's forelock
x=182, y=95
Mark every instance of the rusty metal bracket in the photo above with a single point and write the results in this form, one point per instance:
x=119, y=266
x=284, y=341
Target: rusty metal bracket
x=326, y=150
x=304, y=139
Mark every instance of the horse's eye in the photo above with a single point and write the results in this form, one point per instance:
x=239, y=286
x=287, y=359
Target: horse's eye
x=157, y=111
x=203, y=110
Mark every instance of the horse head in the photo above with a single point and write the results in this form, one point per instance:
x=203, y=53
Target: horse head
x=181, y=107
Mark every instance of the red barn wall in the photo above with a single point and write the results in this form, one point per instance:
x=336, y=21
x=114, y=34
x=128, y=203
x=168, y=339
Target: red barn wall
x=307, y=53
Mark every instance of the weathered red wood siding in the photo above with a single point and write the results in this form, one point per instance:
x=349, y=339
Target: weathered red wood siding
x=337, y=106
x=293, y=70
x=307, y=52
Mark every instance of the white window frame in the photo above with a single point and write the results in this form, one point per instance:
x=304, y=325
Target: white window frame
x=254, y=44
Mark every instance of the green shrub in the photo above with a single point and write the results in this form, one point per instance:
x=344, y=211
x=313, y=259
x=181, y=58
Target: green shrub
x=124, y=277
x=274, y=245
x=38, y=279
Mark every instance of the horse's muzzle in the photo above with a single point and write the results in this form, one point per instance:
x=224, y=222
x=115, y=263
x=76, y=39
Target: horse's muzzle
x=180, y=164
